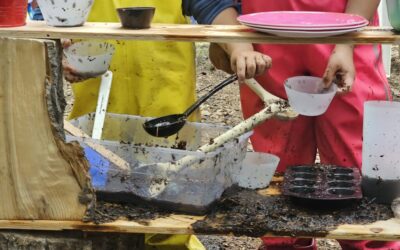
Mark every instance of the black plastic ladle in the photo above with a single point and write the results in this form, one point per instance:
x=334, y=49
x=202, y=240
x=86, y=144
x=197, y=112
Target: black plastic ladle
x=171, y=124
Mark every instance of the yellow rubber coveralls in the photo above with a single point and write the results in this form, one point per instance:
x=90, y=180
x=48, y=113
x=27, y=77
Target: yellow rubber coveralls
x=150, y=79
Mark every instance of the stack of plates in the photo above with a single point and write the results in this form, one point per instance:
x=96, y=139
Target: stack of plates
x=303, y=23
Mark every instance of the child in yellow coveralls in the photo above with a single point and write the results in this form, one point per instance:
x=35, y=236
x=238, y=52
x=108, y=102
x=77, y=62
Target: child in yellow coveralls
x=149, y=78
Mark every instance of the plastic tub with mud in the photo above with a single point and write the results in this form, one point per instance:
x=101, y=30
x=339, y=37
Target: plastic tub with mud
x=192, y=190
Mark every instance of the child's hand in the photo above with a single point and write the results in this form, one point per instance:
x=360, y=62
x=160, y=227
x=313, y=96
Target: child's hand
x=340, y=68
x=249, y=63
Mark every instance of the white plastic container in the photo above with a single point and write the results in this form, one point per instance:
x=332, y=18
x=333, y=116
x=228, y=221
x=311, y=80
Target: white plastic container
x=65, y=13
x=381, y=150
x=89, y=58
x=307, y=96
x=256, y=171
x=195, y=188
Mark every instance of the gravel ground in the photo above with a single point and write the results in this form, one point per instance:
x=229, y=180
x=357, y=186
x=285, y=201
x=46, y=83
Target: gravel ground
x=225, y=108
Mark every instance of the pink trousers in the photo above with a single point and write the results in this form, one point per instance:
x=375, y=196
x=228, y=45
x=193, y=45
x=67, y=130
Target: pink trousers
x=337, y=134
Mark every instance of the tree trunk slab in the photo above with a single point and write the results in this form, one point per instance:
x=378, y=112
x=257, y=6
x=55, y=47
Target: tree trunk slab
x=42, y=177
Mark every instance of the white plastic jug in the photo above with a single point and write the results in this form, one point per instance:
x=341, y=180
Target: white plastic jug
x=381, y=150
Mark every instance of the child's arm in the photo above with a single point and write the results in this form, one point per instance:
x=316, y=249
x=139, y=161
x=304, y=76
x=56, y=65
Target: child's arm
x=365, y=8
x=341, y=64
x=243, y=59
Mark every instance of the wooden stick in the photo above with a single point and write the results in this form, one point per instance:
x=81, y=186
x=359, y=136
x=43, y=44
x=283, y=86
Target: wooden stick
x=107, y=154
x=240, y=129
x=388, y=230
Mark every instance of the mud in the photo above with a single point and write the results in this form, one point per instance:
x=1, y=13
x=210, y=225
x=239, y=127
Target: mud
x=251, y=214
x=107, y=212
x=131, y=199
x=244, y=212
x=180, y=145
x=384, y=191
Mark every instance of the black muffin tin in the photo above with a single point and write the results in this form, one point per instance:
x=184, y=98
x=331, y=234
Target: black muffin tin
x=322, y=182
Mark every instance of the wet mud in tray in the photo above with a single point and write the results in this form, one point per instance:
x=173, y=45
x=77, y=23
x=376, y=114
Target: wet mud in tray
x=251, y=214
x=108, y=212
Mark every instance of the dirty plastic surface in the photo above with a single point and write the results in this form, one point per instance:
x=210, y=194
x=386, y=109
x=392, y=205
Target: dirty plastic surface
x=90, y=58
x=307, y=96
x=322, y=182
x=381, y=150
x=66, y=13
x=193, y=190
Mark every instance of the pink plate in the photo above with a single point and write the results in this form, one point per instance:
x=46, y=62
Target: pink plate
x=302, y=19
x=305, y=34
x=306, y=28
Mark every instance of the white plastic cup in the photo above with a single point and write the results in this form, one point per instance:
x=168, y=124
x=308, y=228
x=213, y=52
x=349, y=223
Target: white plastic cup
x=89, y=58
x=307, y=95
x=65, y=13
x=256, y=171
x=381, y=150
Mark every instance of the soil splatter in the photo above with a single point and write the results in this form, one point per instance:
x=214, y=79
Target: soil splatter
x=108, y=212
x=251, y=214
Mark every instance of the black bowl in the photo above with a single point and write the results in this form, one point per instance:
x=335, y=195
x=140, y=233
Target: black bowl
x=136, y=17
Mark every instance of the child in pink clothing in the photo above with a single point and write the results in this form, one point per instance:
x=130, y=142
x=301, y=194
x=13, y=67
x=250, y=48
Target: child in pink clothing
x=337, y=134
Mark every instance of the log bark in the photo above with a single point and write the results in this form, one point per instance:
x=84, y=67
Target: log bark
x=42, y=177
x=72, y=240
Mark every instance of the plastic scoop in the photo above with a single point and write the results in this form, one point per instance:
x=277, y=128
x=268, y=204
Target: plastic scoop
x=169, y=125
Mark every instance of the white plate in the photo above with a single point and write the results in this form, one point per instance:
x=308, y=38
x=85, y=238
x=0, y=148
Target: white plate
x=305, y=28
x=305, y=34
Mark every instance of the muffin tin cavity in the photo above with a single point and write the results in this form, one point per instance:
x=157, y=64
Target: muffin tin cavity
x=322, y=182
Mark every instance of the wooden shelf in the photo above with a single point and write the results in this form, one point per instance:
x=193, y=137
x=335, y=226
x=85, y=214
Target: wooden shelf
x=193, y=33
x=182, y=224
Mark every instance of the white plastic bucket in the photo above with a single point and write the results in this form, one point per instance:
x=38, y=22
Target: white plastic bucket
x=381, y=150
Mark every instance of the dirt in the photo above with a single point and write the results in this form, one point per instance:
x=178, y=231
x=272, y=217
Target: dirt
x=108, y=212
x=251, y=214
x=244, y=212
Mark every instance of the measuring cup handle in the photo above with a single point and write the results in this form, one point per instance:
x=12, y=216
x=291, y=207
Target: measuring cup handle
x=204, y=98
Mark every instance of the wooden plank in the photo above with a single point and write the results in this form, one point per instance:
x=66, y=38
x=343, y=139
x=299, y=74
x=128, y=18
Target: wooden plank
x=207, y=33
x=42, y=177
x=181, y=224
x=381, y=230
x=68, y=240
x=107, y=154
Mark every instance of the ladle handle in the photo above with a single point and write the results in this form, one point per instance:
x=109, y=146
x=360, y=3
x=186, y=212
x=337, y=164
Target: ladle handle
x=204, y=98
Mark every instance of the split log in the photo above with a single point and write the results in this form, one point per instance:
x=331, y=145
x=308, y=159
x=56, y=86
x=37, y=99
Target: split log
x=42, y=177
